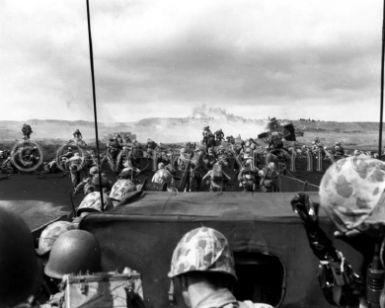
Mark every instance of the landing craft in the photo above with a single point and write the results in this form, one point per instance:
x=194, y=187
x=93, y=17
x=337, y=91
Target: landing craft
x=273, y=260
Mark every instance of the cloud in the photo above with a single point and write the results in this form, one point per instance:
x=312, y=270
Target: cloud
x=164, y=58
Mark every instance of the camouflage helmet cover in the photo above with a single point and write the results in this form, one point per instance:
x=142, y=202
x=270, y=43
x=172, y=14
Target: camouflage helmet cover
x=91, y=203
x=352, y=192
x=202, y=249
x=51, y=233
x=94, y=170
x=121, y=188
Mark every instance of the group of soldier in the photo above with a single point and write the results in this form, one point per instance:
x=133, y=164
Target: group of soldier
x=217, y=163
x=202, y=264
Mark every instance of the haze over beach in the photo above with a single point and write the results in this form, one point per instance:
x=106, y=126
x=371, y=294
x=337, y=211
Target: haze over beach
x=163, y=59
x=184, y=129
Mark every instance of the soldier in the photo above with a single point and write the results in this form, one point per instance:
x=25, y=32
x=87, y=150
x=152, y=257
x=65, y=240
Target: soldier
x=202, y=268
x=78, y=138
x=130, y=170
x=77, y=135
x=269, y=178
x=122, y=188
x=222, y=155
x=339, y=151
x=74, y=165
x=184, y=165
x=19, y=269
x=217, y=177
x=352, y=194
x=273, y=125
x=27, y=131
x=113, y=150
x=206, y=131
x=105, y=182
x=151, y=146
x=210, y=158
x=163, y=178
x=276, y=151
x=50, y=235
x=74, y=252
x=120, y=140
x=219, y=136
x=87, y=183
x=92, y=203
x=230, y=139
x=208, y=137
x=248, y=176
x=198, y=168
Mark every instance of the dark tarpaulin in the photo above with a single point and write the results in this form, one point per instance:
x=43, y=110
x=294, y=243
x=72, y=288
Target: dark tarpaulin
x=143, y=235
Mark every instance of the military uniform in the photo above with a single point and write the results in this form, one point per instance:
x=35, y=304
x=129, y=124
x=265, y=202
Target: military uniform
x=207, y=250
x=352, y=195
x=163, y=177
x=223, y=298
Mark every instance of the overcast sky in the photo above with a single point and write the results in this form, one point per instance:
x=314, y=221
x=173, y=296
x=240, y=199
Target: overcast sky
x=255, y=58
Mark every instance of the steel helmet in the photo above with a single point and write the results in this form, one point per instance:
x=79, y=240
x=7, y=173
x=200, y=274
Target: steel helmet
x=91, y=203
x=271, y=165
x=50, y=235
x=202, y=249
x=275, y=135
x=352, y=192
x=121, y=188
x=19, y=269
x=96, y=182
x=76, y=251
x=94, y=170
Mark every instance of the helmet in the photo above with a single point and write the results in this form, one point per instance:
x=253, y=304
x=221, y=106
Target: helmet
x=76, y=251
x=51, y=233
x=275, y=134
x=121, y=188
x=202, y=249
x=271, y=165
x=94, y=170
x=19, y=270
x=352, y=192
x=91, y=203
x=104, y=180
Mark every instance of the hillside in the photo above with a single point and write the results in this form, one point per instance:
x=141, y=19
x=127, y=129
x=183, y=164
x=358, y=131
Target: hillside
x=167, y=130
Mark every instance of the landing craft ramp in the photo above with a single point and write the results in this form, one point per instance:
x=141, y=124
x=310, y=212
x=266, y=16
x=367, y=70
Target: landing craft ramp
x=268, y=240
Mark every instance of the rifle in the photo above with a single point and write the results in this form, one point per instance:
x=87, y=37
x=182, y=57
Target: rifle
x=341, y=286
x=236, y=157
x=186, y=173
